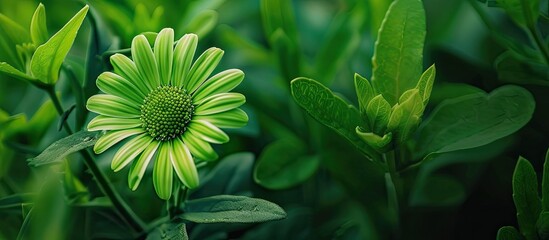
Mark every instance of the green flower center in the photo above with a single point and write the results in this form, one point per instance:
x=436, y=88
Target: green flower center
x=166, y=112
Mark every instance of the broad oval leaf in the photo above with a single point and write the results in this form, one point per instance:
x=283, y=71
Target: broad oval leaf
x=331, y=111
x=56, y=152
x=526, y=198
x=47, y=59
x=275, y=170
x=169, y=231
x=231, y=209
x=398, y=54
x=475, y=120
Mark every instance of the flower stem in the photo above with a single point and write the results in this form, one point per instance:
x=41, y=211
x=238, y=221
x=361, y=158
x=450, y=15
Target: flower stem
x=393, y=195
x=121, y=207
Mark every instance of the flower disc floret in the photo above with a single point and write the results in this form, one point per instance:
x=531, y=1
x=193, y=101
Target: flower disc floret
x=166, y=112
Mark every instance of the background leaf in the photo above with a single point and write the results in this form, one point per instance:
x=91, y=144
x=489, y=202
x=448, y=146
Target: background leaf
x=523, y=12
x=398, y=53
x=475, y=120
x=169, y=231
x=231, y=209
x=284, y=164
x=508, y=233
x=331, y=111
x=63, y=147
x=525, y=196
x=47, y=59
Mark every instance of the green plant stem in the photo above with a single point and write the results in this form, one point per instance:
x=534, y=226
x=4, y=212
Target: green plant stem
x=121, y=207
x=393, y=195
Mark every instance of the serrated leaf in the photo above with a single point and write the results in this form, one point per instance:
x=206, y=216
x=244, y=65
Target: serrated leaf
x=523, y=12
x=406, y=115
x=475, y=120
x=378, y=113
x=525, y=196
x=508, y=233
x=280, y=171
x=330, y=110
x=398, y=54
x=47, y=58
x=56, y=152
x=425, y=84
x=364, y=93
x=38, y=28
x=171, y=231
x=231, y=209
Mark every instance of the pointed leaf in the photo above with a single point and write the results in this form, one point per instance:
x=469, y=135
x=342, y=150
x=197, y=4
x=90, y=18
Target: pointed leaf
x=425, y=84
x=331, y=111
x=38, y=29
x=406, y=115
x=56, y=152
x=398, y=53
x=526, y=198
x=13, y=72
x=231, y=209
x=364, y=92
x=47, y=59
x=377, y=113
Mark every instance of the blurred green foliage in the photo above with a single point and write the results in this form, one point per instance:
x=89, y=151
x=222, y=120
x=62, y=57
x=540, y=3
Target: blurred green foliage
x=327, y=187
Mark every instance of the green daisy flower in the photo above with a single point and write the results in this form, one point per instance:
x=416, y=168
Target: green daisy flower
x=168, y=107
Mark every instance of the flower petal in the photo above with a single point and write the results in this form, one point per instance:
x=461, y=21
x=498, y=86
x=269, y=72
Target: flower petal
x=220, y=83
x=199, y=148
x=126, y=68
x=163, y=172
x=220, y=103
x=114, y=84
x=139, y=167
x=183, y=58
x=130, y=151
x=163, y=51
x=234, y=118
x=113, y=106
x=145, y=62
x=207, y=131
x=202, y=68
x=109, y=123
x=183, y=164
x=108, y=140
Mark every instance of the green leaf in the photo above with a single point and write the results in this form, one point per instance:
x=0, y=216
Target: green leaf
x=169, y=231
x=57, y=151
x=378, y=112
x=13, y=72
x=279, y=171
x=203, y=23
x=425, y=84
x=528, y=72
x=508, y=233
x=406, y=115
x=278, y=14
x=47, y=59
x=287, y=54
x=398, y=53
x=543, y=225
x=38, y=29
x=331, y=111
x=381, y=144
x=545, y=184
x=15, y=201
x=342, y=40
x=231, y=209
x=364, y=92
x=525, y=196
x=475, y=120
x=523, y=12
